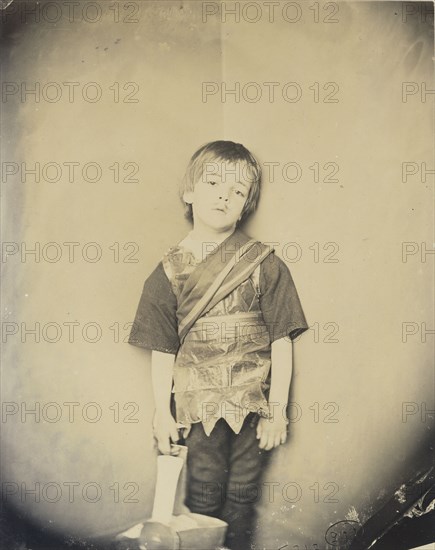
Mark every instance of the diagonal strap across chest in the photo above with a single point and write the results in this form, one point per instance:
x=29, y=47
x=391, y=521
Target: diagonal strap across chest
x=212, y=281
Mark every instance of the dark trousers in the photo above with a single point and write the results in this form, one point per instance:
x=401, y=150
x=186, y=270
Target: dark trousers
x=223, y=473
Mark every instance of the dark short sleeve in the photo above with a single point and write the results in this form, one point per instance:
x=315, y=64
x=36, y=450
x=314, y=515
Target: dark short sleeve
x=155, y=324
x=279, y=300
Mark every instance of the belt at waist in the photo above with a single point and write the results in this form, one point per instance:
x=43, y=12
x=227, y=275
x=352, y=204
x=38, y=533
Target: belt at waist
x=247, y=325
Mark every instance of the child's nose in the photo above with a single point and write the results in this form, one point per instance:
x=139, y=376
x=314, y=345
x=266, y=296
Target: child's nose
x=224, y=193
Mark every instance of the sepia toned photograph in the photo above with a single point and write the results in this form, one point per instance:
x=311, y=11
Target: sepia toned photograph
x=217, y=275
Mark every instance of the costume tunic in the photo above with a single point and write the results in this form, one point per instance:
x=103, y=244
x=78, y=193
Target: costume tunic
x=222, y=366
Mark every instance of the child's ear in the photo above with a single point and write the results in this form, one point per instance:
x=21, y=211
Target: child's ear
x=188, y=197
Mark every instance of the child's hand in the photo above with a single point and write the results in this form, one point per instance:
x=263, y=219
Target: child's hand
x=271, y=432
x=165, y=430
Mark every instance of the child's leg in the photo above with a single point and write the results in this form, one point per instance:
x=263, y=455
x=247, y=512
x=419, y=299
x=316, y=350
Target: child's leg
x=247, y=461
x=207, y=468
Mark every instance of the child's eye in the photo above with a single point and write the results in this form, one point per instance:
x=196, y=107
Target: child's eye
x=211, y=182
x=240, y=193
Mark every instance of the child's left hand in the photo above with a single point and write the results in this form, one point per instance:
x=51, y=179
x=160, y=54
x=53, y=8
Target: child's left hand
x=271, y=432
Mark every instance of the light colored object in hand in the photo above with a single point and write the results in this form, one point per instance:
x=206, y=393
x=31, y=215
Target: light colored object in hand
x=168, y=472
x=184, y=530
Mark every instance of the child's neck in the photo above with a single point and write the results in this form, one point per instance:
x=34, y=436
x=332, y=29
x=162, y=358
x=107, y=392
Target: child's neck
x=204, y=235
x=201, y=242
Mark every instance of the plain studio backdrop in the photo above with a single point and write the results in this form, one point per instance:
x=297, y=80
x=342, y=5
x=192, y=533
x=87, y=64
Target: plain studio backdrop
x=333, y=102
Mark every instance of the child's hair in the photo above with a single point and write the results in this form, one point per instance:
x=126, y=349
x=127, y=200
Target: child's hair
x=226, y=151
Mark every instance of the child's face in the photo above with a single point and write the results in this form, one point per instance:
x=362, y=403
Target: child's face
x=219, y=195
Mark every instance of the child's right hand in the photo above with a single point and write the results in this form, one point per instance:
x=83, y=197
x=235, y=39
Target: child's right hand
x=165, y=430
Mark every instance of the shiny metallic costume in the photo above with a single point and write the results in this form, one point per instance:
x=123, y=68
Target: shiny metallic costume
x=222, y=367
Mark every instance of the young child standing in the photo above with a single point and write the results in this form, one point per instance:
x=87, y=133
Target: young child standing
x=220, y=313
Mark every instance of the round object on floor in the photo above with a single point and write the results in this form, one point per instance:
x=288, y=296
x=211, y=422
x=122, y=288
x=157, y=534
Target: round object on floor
x=158, y=536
